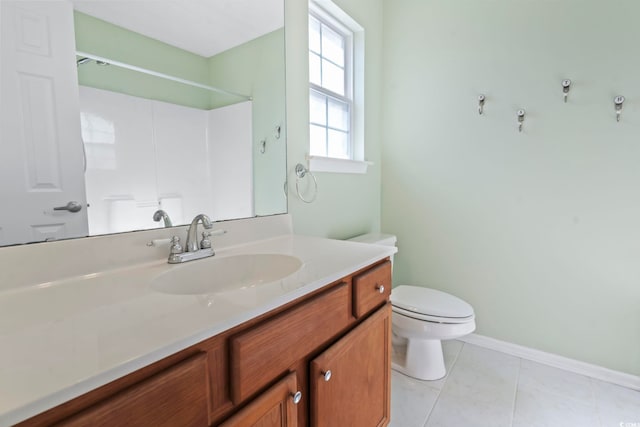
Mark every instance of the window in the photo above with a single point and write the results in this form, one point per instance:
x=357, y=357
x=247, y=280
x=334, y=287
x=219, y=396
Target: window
x=330, y=87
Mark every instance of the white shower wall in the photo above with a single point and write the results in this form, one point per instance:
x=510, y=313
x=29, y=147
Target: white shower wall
x=231, y=161
x=144, y=155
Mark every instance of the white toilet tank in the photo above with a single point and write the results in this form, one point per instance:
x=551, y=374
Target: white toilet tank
x=377, y=239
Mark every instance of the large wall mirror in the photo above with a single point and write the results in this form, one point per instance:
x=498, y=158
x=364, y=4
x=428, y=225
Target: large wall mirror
x=128, y=115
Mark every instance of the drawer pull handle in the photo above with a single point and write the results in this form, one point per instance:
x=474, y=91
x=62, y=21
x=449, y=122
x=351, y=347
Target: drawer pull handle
x=296, y=397
x=326, y=375
x=380, y=288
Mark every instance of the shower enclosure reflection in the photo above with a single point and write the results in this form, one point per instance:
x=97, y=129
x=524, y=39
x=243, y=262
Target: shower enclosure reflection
x=163, y=156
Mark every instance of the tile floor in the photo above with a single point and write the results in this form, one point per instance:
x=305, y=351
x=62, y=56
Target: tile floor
x=488, y=388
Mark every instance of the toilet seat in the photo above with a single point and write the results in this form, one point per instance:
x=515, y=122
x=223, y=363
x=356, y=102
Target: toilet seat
x=432, y=319
x=430, y=305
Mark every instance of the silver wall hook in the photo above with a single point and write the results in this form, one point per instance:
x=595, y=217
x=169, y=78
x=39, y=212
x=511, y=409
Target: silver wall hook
x=566, y=86
x=521, y=114
x=263, y=146
x=617, y=102
x=277, y=132
x=481, y=99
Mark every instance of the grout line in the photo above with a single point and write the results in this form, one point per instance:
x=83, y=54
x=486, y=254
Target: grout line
x=515, y=392
x=594, y=396
x=444, y=384
x=456, y=358
x=622, y=379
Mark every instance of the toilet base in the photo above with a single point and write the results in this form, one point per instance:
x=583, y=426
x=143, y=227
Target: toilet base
x=420, y=359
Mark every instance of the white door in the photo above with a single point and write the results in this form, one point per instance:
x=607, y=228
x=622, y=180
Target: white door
x=41, y=153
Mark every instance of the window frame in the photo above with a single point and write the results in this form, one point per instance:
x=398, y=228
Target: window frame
x=327, y=19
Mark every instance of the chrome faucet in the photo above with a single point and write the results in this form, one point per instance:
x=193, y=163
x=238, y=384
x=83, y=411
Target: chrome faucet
x=192, y=249
x=192, y=239
x=162, y=215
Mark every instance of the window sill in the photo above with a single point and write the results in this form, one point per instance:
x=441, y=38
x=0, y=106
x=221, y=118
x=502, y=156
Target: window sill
x=330, y=164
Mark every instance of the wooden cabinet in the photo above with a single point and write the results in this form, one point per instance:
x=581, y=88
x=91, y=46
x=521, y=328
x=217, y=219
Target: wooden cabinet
x=275, y=407
x=371, y=288
x=262, y=353
x=174, y=397
x=248, y=375
x=351, y=381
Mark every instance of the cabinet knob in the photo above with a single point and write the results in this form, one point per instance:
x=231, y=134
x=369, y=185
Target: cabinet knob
x=326, y=375
x=380, y=288
x=296, y=397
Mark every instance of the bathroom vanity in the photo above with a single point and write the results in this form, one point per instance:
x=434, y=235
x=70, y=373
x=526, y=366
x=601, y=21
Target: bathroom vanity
x=310, y=349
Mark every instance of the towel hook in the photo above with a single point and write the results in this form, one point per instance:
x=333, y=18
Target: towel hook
x=521, y=114
x=566, y=86
x=618, y=101
x=481, y=99
x=301, y=172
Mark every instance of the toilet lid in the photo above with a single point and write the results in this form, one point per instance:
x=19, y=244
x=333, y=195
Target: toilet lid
x=430, y=302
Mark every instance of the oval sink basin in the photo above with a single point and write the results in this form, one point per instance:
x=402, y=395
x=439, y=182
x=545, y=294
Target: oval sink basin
x=212, y=275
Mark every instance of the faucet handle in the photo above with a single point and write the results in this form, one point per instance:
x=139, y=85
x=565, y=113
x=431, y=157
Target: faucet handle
x=176, y=247
x=205, y=243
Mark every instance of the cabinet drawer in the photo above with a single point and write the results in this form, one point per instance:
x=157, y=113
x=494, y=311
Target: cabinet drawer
x=263, y=353
x=367, y=286
x=174, y=397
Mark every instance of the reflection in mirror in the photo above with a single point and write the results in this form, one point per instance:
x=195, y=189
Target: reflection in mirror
x=130, y=107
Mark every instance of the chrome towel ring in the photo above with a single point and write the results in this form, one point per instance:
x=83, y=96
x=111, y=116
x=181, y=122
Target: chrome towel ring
x=301, y=172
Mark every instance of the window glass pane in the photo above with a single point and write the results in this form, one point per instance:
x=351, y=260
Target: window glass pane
x=338, y=144
x=315, y=75
x=314, y=34
x=332, y=77
x=338, y=114
x=317, y=108
x=333, y=46
x=318, y=140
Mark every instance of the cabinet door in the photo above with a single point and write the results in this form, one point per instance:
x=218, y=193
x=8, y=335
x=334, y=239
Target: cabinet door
x=350, y=382
x=174, y=397
x=275, y=407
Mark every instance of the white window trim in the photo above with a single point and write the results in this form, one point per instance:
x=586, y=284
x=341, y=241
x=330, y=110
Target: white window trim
x=330, y=164
x=338, y=20
x=330, y=21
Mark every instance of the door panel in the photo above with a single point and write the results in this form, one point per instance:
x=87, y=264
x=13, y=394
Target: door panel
x=275, y=407
x=41, y=154
x=357, y=392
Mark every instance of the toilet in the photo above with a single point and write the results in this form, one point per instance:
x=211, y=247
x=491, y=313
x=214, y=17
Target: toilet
x=421, y=319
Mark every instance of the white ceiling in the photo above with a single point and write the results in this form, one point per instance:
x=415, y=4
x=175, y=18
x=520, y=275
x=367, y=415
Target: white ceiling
x=203, y=27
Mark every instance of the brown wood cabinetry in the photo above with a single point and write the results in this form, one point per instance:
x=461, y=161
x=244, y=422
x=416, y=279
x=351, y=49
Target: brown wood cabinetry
x=295, y=334
x=176, y=396
x=350, y=382
x=249, y=375
x=275, y=407
x=371, y=288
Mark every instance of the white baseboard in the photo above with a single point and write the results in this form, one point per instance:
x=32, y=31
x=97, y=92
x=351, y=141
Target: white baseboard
x=571, y=365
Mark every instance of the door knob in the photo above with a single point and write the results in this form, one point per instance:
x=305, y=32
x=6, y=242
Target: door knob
x=71, y=207
x=380, y=288
x=326, y=375
x=297, y=396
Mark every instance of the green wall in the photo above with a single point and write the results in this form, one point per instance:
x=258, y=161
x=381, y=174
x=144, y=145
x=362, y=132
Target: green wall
x=257, y=68
x=538, y=230
x=104, y=39
x=346, y=204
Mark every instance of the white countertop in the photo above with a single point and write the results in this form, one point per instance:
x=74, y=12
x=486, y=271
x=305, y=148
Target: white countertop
x=61, y=339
